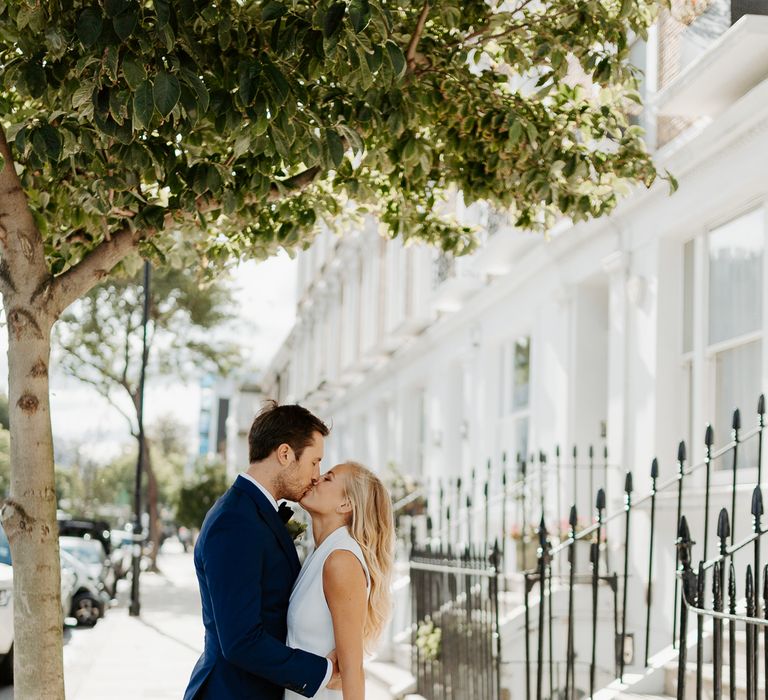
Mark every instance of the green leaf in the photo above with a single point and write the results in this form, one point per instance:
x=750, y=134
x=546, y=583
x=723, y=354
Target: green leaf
x=115, y=7
x=282, y=88
x=82, y=95
x=88, y=27
x=272, y=10
x=196, y=83
x=47, y=142
x=163, y=12
x=335, y=147
x=626, y=8
x=143, y=105
x=332, y=20
x=396, y=58
x=359, y=14
x=134, y=72
x=125, y=23
x=166, y=93
x=111, y=58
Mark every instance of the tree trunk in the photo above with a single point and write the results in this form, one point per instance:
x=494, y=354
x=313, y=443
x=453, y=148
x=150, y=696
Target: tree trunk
x=29, y=515
x=154, y=514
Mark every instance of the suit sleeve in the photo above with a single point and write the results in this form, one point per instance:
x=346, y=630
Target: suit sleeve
x=234, y=585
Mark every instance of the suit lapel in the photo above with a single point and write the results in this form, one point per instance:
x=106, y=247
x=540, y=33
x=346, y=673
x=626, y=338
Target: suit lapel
x=272, y=519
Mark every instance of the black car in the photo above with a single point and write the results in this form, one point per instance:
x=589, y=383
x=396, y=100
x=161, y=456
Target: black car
x=92, y=529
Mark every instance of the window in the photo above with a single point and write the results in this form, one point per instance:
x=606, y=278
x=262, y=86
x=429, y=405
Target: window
x=514, y=391
x=515, y=376
x=730, y=283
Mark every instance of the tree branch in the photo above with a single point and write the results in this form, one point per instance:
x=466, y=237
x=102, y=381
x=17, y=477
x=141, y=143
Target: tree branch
x=277, y=190
x=410, y=54
x=20, y=240
x=93, y=268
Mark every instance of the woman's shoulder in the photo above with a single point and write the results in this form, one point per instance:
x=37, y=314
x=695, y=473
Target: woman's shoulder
x=343, y=553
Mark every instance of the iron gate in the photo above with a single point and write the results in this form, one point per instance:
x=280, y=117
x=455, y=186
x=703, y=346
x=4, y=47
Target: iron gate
x=456, y=644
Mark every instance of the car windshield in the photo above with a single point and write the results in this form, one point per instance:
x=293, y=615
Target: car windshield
x=5, y=548
x=88, y=552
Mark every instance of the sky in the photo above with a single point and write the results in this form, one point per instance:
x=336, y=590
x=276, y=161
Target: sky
x=265, y=294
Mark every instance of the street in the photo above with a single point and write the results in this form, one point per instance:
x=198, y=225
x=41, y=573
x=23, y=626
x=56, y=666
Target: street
x=125, y=658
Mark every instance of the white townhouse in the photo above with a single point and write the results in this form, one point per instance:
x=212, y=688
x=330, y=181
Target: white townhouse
x=628, y=333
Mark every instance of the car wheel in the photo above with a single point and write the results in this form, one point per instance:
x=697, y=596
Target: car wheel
x=87, y=609
x=6, y=668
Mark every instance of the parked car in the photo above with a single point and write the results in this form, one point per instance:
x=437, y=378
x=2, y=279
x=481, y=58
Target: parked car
x=122, y=552
x=89, y=599
x=87, y=529
x=6, y=611
x=92, y=555
x=68, y=584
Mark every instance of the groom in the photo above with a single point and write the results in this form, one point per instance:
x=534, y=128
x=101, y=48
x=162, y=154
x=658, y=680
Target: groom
x=246, y=566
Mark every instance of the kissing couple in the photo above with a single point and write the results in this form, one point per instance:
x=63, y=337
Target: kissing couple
x=274, y=629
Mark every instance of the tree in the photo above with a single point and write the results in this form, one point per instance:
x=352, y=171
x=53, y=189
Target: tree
x=100, y=343
x=206, y=131
x=198, y=494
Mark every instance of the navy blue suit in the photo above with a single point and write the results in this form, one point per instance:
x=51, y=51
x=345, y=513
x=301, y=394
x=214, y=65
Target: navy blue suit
x=246, y=566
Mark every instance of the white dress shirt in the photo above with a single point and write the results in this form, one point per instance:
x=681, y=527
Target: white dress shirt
x=272, y=500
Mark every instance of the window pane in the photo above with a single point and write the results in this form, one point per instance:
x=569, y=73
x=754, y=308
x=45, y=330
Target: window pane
x=502, y=380
x=738, y=373
x=521, y=438
x=736, y=277
x=521, y=373
x=688, y=296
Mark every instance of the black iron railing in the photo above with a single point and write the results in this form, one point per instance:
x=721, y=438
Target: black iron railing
x=555, y=570
x=455, y=638
x=693, y=601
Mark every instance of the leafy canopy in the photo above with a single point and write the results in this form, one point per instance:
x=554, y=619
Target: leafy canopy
x=227, y=128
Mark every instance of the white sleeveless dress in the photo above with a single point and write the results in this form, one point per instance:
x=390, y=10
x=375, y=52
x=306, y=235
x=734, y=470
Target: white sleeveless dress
x=310, y=626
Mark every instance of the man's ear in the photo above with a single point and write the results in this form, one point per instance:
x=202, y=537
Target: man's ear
x=284, y=454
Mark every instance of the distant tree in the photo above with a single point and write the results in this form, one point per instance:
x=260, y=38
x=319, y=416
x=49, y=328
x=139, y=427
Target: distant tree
x=4, y=416
x=100, y=343
x=199, y=493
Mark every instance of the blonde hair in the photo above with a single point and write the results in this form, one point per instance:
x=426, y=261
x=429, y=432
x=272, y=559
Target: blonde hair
x=373, y=527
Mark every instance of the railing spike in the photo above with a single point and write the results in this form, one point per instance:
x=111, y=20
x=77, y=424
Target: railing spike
x=765, y=582
x=591, y=452
x=655, y=468
x=600, y=501
x=723, y=525
x=681, y=451
x=736, y=423
x=731, y=583
x=757, y=502
x=572, y=517
x=557, y=451
x=683, y=532
x=761, y=405
x=574, y=452
x=628, y=483
x=709, y=436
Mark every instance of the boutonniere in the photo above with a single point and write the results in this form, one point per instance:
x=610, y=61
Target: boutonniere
x=296, y=529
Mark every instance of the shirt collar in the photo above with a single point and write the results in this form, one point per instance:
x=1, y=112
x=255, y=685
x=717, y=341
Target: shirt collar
x=261, y=488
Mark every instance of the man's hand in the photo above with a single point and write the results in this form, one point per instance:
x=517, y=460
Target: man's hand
x=335, y=682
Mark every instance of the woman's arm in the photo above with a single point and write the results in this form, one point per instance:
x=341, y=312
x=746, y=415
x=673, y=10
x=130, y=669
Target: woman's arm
x=345, y=589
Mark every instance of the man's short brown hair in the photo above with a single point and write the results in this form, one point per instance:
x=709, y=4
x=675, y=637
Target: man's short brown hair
x=291, y=424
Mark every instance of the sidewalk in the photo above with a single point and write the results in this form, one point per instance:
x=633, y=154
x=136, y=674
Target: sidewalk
x=148, y=657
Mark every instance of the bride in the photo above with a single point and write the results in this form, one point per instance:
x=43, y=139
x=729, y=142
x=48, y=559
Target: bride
x=341, y=598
